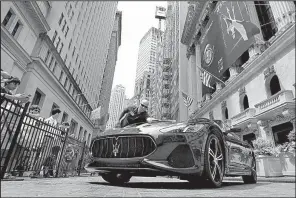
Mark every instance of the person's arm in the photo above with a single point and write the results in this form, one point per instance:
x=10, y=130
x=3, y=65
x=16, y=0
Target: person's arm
x=123, y=113
x=20, y=97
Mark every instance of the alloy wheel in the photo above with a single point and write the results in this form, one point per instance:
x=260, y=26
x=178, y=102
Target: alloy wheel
x=215, y=160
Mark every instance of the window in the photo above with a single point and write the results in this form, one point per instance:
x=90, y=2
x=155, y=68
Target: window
x=58, y=42
x=37, y=98
x=76, y=58
x=73, y=92
x=80, y=132
x=67, y=29
x=54, y=67
x=16, y=28
x=281, y=131
x=226, y=113
x=70, y=87
x=47, y=56
x=70, y=44
x=65, y=58
x=73, y=51
x=266, y=19
x=7, y=18
x=61, y=18
x=64, y=117
x=274, y=85
x=61, y=48
x=66, y=82
x=54, y=36
x=246, y=102
x=54, y=106
x=61, y=75
x=63, y=28
x=72, y=14
x=51, y=61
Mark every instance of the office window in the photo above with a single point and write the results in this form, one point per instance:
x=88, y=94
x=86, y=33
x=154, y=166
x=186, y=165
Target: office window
x=65, y=58
x=16, y=29
x=61, y=75
x=63, y=28
x=67, y=29
x=7, y=17
x=70, y=44
x=73, y=51
x=54, y=67
x=54, y=36
x=37, y=98
x=66, y=82
x=61, y=48
x=70, y=87
x=61, y=19
x=72, y=14
x=76, y=58
x=51, y=61
x=47, y=56
x=58, y=42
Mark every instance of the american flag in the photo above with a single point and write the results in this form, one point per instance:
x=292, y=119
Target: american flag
x=206, y=79
x=187, y=100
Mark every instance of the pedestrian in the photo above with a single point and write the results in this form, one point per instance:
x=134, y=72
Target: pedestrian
x=134, y=114
x=9, y=86
x=52, y=120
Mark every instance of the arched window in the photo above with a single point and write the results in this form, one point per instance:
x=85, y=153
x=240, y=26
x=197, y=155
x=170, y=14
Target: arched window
x=226, y=113
x=246, y=102
x=274, y=85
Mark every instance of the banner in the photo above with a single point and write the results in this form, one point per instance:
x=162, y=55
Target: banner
x=228, y=34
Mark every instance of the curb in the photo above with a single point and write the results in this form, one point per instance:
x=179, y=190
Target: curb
x=12, y=180
x=271, y=180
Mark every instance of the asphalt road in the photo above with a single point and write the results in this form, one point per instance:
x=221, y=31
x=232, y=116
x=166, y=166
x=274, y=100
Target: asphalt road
x=138, y=187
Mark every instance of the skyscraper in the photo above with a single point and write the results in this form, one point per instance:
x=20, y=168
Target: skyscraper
x=146, y=64
x=59, y=50
x=116, y=105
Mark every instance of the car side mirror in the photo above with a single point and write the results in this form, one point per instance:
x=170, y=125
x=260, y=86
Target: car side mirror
x=234, y=130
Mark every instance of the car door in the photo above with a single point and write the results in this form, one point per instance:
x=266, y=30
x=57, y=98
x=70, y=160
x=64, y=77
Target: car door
x=236, y=152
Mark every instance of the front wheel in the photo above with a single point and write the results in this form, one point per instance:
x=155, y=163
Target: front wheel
x=116, y=178
x=214, y=161
x=251, y=179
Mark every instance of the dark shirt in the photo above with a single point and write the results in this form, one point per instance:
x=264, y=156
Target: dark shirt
x=133, y=116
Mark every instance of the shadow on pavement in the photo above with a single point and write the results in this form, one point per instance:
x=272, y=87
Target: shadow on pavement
x=182, y=185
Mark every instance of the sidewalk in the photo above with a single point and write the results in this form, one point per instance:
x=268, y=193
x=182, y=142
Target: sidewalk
x=285, y=179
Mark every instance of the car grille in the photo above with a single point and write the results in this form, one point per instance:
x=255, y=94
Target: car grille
x=123, y=147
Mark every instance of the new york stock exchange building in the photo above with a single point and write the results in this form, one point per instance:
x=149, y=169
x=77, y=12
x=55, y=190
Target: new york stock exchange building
x=240, y=66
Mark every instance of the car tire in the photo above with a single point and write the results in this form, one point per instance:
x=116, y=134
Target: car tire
x=116, y=178
x=214, y=161
x=251, y=179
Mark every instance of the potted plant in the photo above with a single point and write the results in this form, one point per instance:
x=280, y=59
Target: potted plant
x=267, y=158
x=287, y=155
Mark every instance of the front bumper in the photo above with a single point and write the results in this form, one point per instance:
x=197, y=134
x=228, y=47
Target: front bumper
x=140, y=167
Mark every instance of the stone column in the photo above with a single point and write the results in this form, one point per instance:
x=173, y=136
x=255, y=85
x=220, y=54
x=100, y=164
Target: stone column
x=192, y=86
x=266, y=131
x=283, y=12
x=198, y=80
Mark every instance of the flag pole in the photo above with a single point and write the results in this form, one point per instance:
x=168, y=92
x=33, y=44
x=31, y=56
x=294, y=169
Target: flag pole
x=211, y=74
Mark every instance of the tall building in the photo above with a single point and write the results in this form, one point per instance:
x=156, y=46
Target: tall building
x=59, y=51
x=116, y=105
x=146, y=63
x=256, y=91
x=109, y=70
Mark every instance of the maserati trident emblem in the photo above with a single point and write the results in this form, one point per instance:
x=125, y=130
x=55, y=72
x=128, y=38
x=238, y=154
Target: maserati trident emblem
x=116, y=146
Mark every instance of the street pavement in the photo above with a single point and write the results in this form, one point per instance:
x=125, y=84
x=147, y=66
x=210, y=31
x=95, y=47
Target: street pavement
x=95, y=186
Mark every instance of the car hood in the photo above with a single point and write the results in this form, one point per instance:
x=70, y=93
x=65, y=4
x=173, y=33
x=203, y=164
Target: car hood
x=152, y=129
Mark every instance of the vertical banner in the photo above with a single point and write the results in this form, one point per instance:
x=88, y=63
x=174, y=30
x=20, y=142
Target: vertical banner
x=227, y=35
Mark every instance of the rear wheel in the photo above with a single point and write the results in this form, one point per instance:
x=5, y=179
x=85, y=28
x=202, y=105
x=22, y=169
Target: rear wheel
x=251, y=179
x=116, y=178
x=214, y=161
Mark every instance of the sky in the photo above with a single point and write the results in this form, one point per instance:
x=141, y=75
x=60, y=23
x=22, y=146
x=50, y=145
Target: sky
x=137, y=18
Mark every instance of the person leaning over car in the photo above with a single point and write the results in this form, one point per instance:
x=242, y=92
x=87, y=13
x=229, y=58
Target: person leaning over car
x=134, y=114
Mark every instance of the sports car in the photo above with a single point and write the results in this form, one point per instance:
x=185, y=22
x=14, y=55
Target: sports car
x=199, y=150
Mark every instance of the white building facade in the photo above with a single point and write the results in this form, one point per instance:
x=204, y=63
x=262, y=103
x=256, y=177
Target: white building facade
x=259, y=91
x=59, y=51
x=116, y=105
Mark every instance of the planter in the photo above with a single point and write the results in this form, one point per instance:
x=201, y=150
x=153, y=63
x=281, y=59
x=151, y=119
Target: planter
x=287, y=160
x=268, y=166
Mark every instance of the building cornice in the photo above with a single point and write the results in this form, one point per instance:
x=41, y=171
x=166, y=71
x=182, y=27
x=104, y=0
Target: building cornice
x=196, y=11
x=285, y=40
x=9, y=42
x=44, y=69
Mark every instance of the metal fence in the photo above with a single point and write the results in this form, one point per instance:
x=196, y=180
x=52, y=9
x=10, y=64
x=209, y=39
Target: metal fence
x=30, y=144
